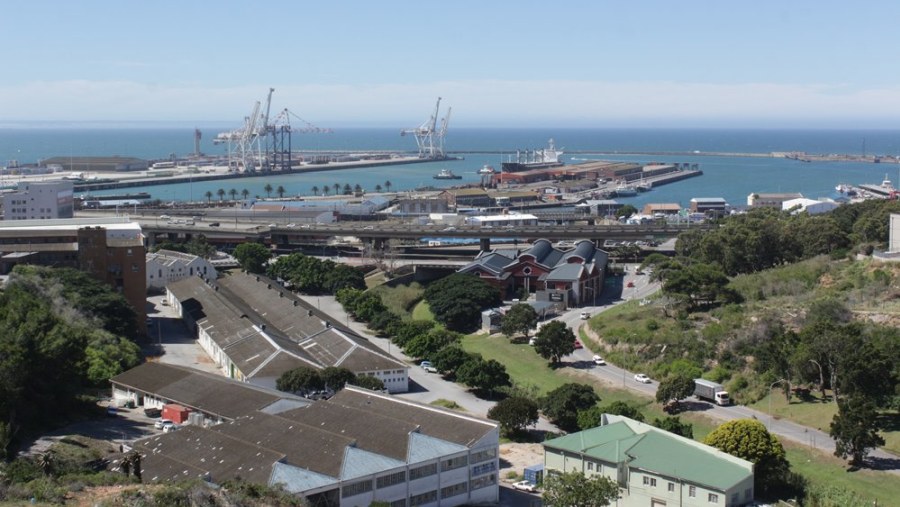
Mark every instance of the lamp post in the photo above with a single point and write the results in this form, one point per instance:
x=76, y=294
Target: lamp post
x=770, y=397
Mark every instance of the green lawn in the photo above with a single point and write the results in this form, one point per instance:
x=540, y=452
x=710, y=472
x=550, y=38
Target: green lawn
x=422, y=311
x=826, y=470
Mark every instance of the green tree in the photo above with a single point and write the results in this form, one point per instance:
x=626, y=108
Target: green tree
x=483, y=376
x=573, y=488
x=592, y=417
x=388, y=185
x=221, y=193
x=674, y=387
x=315, y=190
x=342, y=276
x=626, y=211
x=252, y=256
x=280, y=191
x=268, y=189
x=699, y=285
x=519, y=319
x=326, y=189
x=449, y=359
x=199, y=246
x=750, y=440
x=245, y=193
x=347, y=189
x=107, y=355
x=562, y=404
x=514, y=414
x=300, y=379
x=367, y=382
x=232, y=192
x=409, y=329
x=426, y=345
x=357, y=188
x=334, y=377
x=208, y=195
x=674, y=425
x=554, y=341
x=378, y=188
x=855, y=429
x=457, y=300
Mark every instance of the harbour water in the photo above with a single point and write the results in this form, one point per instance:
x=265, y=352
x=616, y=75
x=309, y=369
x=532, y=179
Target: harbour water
x=732, y=178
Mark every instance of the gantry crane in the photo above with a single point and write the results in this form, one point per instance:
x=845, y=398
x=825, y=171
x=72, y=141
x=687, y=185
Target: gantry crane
x=244, y=151
x=426, y=134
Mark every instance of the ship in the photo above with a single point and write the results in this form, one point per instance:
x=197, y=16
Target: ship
x=535, y=159
x=487, y=169
x=446, y=174
x=625, y=190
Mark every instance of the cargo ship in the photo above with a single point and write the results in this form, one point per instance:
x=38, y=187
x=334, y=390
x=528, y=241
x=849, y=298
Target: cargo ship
x=535, y=159
x=446, y=174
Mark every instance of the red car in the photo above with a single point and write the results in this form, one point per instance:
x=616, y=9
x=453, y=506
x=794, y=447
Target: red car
x=578, y=345
x=630, y=284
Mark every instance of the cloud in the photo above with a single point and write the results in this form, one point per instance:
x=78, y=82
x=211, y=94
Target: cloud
x=504, y=103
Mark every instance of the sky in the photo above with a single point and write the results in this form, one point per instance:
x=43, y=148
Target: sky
x=796, y=64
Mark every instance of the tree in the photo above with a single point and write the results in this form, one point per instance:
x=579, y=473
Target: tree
x=562, y=404
x=554, y=340
x=483, y=376
x=409, y=329
x=592, y=417
x=245, y=193
x=342, y=276
x=280, y=191
x=252, y=256
x=268, y=189
x=514, y=414
x=426, y=345
x=457, y=300
x=199, y=246
x=315, y=190
x=347, y=189
x=388, y=185
x=367, y=382
x=626, y=211
x=232, y=192
x=378, y=188
x=750, y=440
x=449, y=359
x=300, y=379
x=357, y=188
x=334, y=377
x=326, y=189
x=855, y=429
x=674, y=425
x=519, y=319
x=674, y=387
x=208, y=195
x=573, y=488
x=699, y=284
x=221, y=193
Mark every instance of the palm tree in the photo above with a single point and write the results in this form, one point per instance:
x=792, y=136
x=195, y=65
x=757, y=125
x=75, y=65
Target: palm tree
x=268, y=189
x=337, y=188
x=233, y=193
x=315, y=190
x=280, y=190
x=245, y=193
x=347, y=189
x=221, y=193
x=387, y=185
x=326, y=189
x=358, y=188
x=378, y=188
x=46, y=461
x=208, y=195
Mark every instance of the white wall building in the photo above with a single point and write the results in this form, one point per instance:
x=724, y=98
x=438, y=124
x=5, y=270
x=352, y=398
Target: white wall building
x=167, y=266
x=39, y=200
x=811, y=206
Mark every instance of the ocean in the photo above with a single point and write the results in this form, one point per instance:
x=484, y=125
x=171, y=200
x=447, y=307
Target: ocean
x=731, y=178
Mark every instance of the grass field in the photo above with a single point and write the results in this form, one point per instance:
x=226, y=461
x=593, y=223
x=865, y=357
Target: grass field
x=400, y=300
x=422, y=311
x=525, y=367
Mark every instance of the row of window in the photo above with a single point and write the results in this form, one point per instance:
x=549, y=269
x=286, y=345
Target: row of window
x=692, y=491
x=360, y=487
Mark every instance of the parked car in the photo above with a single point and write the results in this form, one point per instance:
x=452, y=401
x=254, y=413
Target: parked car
x=214, y=224
x=165, y=217
x=630, y=284
x=643, y=379
x=169, y=426
x=524, y=486
x=599, y=360
x=427, y=366
x=152, y=413
x=161, y=422
x=578, y=345
x=585, y=315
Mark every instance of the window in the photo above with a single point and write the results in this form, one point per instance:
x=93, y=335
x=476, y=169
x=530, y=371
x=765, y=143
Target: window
x=485, y=481
x=478, y=457
x=671, y=486
x=356, y=488
x=453, y=463
x=484, y=468
x=590, y=465
x=649, y=481
x=713, y=498
x=692, y=491
x=422, y=499
x=423, y=471
x=399, y=503
x=748, y=494
x=389, y=480
x=456, y=489
x=735, y=498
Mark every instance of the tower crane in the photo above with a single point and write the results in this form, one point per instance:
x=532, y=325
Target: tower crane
x=426, y=133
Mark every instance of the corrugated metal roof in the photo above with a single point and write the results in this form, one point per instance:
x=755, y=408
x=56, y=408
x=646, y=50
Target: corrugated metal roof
x=424, y=448
x=359, y=463
x=297, y=480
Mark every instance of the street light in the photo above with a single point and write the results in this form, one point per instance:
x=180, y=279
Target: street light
x=770, y=396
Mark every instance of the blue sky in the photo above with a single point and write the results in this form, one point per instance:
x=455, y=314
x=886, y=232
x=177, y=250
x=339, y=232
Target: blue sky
x=831, y=64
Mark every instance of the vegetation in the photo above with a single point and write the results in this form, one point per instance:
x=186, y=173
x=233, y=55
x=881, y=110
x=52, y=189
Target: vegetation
x=520, y=318
x=574, y=488
x=305, y=380
x=563, y=404
x=60, y=331
x=198, y=245
x=554, y=340
x=311, y=275
x=750, y=440
x=514, y=414
x=252, y=256
x=457, y=301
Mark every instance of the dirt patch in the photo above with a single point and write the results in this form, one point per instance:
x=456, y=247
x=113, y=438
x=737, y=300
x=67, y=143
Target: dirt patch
x=515, y=457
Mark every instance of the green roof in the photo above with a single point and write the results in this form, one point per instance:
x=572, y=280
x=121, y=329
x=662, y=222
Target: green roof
x=656, y=451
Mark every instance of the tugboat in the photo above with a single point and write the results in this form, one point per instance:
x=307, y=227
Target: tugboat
x=487, y=169
x=446, y=174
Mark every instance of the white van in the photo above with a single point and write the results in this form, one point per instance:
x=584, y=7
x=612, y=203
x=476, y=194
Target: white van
x=585, y=315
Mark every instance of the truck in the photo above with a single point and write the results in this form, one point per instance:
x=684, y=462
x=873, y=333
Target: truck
x=711, y=391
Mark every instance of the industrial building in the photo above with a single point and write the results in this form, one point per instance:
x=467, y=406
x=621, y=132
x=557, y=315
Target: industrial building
x=758, y=200
x=255, y=330
x=708, y=205
x=39, y=200
x=652, y=466
x=98, y=164
x=351, y=450
x=810, y=206
x=167, y=266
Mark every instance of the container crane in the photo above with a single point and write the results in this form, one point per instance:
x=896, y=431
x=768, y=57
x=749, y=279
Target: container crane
x=426, y=133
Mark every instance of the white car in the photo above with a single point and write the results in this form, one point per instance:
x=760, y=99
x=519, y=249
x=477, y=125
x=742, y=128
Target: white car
x=161, y=422
x=169, y=426
x=524, y=486
x=643, y=379
x=599, y=360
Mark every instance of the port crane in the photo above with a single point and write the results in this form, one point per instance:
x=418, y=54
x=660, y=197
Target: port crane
x=429, y=139
x=244, y=148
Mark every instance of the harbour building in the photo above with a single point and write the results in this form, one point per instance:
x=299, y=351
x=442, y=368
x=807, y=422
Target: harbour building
x=39, y=200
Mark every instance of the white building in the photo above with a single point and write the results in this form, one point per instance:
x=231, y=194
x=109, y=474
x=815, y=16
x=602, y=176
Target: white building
x=39, y=200
x=894, y=234
x=505, y=220
x=167, y=266
x=811, y=206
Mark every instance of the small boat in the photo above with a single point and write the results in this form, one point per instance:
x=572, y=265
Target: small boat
x=446, y=174
x=625, y=190
x=487, y=169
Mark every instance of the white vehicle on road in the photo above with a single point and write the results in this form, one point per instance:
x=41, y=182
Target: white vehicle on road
x=524, y=486
x=161, y=422
x=427, y=366
x=643, y=379
x=599, y=360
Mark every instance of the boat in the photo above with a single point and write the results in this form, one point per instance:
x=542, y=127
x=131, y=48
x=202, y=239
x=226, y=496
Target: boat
x=446, y=174
x=535, y=159
x=625, y=190
x=487, y=169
